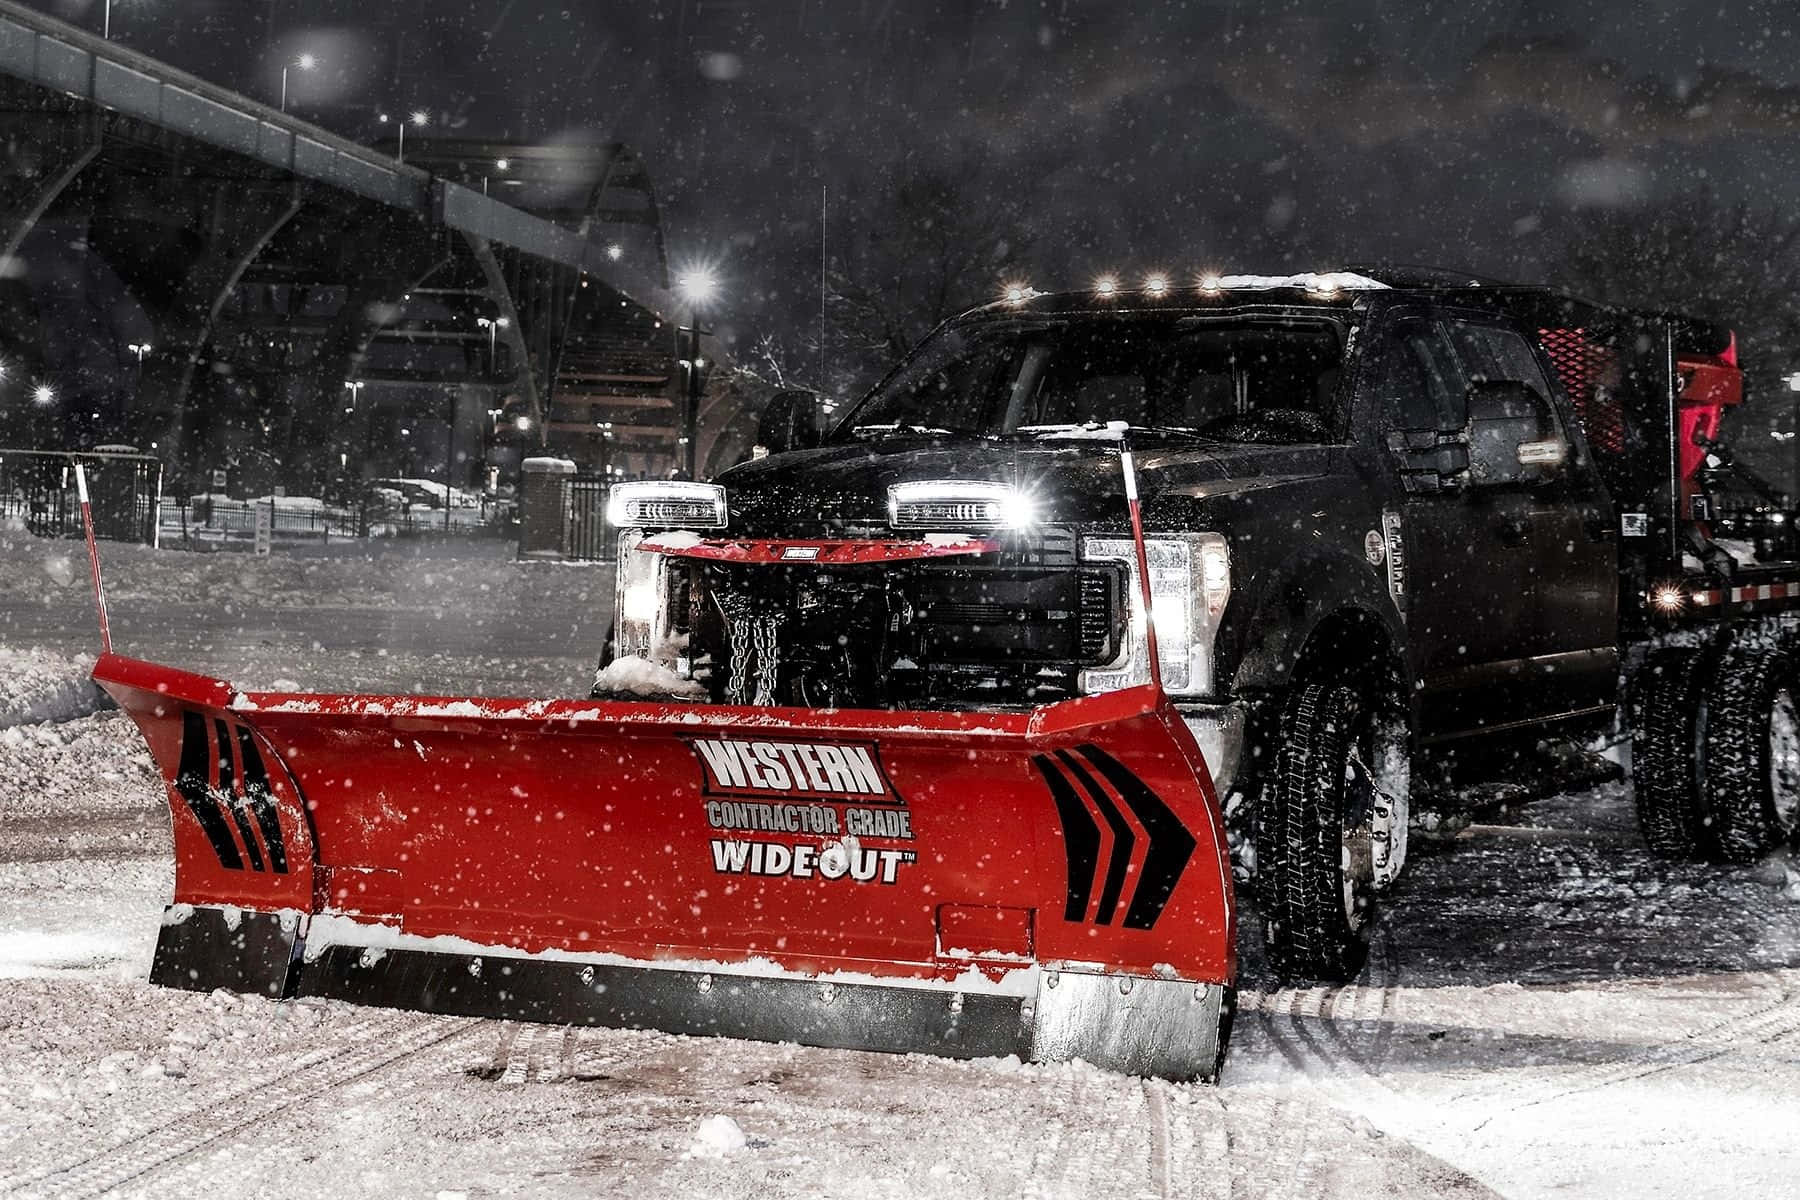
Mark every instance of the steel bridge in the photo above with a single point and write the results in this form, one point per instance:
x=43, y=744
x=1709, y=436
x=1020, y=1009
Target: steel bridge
x=194, y=273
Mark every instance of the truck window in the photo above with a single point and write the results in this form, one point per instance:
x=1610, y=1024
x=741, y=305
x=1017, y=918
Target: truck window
x=1490, y=352
x=1250, y=378
x=1419, y=379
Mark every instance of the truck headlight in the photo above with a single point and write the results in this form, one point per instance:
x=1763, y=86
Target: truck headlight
x=640, y=600
x=960, y=504
x=1190, y=581
x=666, y=504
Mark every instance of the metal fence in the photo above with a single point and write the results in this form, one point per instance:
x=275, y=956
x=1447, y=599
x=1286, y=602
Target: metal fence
x=218, y=522
x=37, y=488
x=586, y=535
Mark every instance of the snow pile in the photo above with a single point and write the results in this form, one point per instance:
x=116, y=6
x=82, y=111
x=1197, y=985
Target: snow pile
x=633, y=676
x=93, y=764
x=718, y=1137
x=41, y=685
x=1320, y=282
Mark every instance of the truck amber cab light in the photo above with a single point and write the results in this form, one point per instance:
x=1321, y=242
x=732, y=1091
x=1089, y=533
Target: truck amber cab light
x=960, y=505
x=666, y=504
x=1668, y=598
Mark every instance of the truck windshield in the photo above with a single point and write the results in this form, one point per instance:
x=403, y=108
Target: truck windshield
x=1236, y=379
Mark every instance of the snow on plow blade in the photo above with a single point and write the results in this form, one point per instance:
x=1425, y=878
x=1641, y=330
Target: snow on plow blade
x=1050, y=884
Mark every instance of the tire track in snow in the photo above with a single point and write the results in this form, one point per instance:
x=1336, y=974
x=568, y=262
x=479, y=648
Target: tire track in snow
x=517, y=1067
x=1769, y=1023
x=196, y=1129
x=1310, y=1028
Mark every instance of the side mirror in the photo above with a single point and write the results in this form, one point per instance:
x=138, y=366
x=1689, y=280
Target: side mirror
x=790, y=421
x=1512, y=438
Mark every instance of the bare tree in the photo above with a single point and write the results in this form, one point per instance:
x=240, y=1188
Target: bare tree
x=928, y=239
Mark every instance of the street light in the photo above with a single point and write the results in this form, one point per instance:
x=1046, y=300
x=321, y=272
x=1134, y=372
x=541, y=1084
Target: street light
x=419, y=118
x=305, y=62
x=140, y=349
x=697, y=287
x=44, y=395
x=502, y=165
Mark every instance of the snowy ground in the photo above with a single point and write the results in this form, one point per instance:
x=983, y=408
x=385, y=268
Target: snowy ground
x=1547, y=1011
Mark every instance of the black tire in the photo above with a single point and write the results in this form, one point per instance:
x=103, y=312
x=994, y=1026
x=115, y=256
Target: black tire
x=1751, y=778
x=1316, y=912
x=1666, y=697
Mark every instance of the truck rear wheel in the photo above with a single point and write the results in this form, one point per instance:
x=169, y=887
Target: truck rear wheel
x=1312, y=824
x=1752, y=745
x=1667, y=692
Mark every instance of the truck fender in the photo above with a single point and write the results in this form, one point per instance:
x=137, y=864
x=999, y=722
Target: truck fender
x=1268, y=638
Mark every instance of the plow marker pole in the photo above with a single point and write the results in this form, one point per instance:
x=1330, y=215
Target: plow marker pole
x=93, y=549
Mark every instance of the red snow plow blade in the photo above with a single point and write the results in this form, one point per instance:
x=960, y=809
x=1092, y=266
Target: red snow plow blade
x=1051, y=884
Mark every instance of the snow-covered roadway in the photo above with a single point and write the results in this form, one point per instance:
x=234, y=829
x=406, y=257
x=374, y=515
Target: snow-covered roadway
x=1547, y=1011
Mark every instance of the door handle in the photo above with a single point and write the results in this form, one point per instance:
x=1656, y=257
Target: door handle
x=1512, y=531
x=1600, y=527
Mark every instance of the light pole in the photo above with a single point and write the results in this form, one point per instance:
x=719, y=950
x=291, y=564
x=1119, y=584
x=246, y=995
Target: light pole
x=419, y=119
x=487, y=323
x=355, y=387
x=501, y=166
x=305, y=62
x=493, y=325
x=697, y=287
x=139, y=350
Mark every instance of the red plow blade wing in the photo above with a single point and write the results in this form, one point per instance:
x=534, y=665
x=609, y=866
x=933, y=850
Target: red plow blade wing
x=1050, y=884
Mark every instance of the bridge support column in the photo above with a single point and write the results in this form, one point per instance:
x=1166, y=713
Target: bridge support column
x=527, y=364
x=43, y=156
x=242, y=220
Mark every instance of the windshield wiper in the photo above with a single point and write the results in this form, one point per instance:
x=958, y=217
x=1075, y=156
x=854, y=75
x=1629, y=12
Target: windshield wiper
x=1109, y=431
x=901, y=429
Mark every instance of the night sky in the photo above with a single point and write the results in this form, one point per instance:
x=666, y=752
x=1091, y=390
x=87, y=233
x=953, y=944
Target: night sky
x=1231, y=134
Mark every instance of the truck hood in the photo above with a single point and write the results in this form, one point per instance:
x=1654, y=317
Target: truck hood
x=843, y=487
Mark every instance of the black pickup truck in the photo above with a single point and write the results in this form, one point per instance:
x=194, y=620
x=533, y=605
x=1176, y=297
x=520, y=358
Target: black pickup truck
x=1393, y=517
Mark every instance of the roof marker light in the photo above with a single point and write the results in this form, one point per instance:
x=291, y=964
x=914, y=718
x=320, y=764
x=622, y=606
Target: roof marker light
x=1157, y=285
x=1018, y=293
x=1211, y=284
x=1106, y=285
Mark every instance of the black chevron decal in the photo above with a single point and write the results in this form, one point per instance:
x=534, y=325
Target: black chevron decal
x=1081, y=838
x=192, y=784
x=260, y=799
x=1122, y=839
x=232, y=798
x=1171, y=845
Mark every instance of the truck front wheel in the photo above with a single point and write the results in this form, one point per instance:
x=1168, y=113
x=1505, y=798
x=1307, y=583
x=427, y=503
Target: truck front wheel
x=1313, y=843
x=1753, y=750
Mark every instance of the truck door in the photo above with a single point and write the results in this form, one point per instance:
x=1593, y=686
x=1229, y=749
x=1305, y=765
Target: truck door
x=1480, y=584
x=1559, y=511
